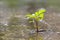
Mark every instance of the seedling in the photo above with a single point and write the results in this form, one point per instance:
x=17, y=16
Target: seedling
x=39, y=15
x=36, y=17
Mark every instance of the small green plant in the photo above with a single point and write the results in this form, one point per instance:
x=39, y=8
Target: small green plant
x=36, y=17
x=39, y=15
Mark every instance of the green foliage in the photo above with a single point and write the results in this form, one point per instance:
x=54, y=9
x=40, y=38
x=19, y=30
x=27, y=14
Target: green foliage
x=39, y=15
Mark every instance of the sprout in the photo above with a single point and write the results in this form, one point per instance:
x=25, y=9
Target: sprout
x=38, y=16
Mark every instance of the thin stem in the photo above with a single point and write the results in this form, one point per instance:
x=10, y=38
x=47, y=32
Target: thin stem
x=36, y=26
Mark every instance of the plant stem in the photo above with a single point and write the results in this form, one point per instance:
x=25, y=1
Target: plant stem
x=36, y=27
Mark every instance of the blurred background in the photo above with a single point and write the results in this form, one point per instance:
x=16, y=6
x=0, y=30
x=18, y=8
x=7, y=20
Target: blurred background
x=14, y=25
